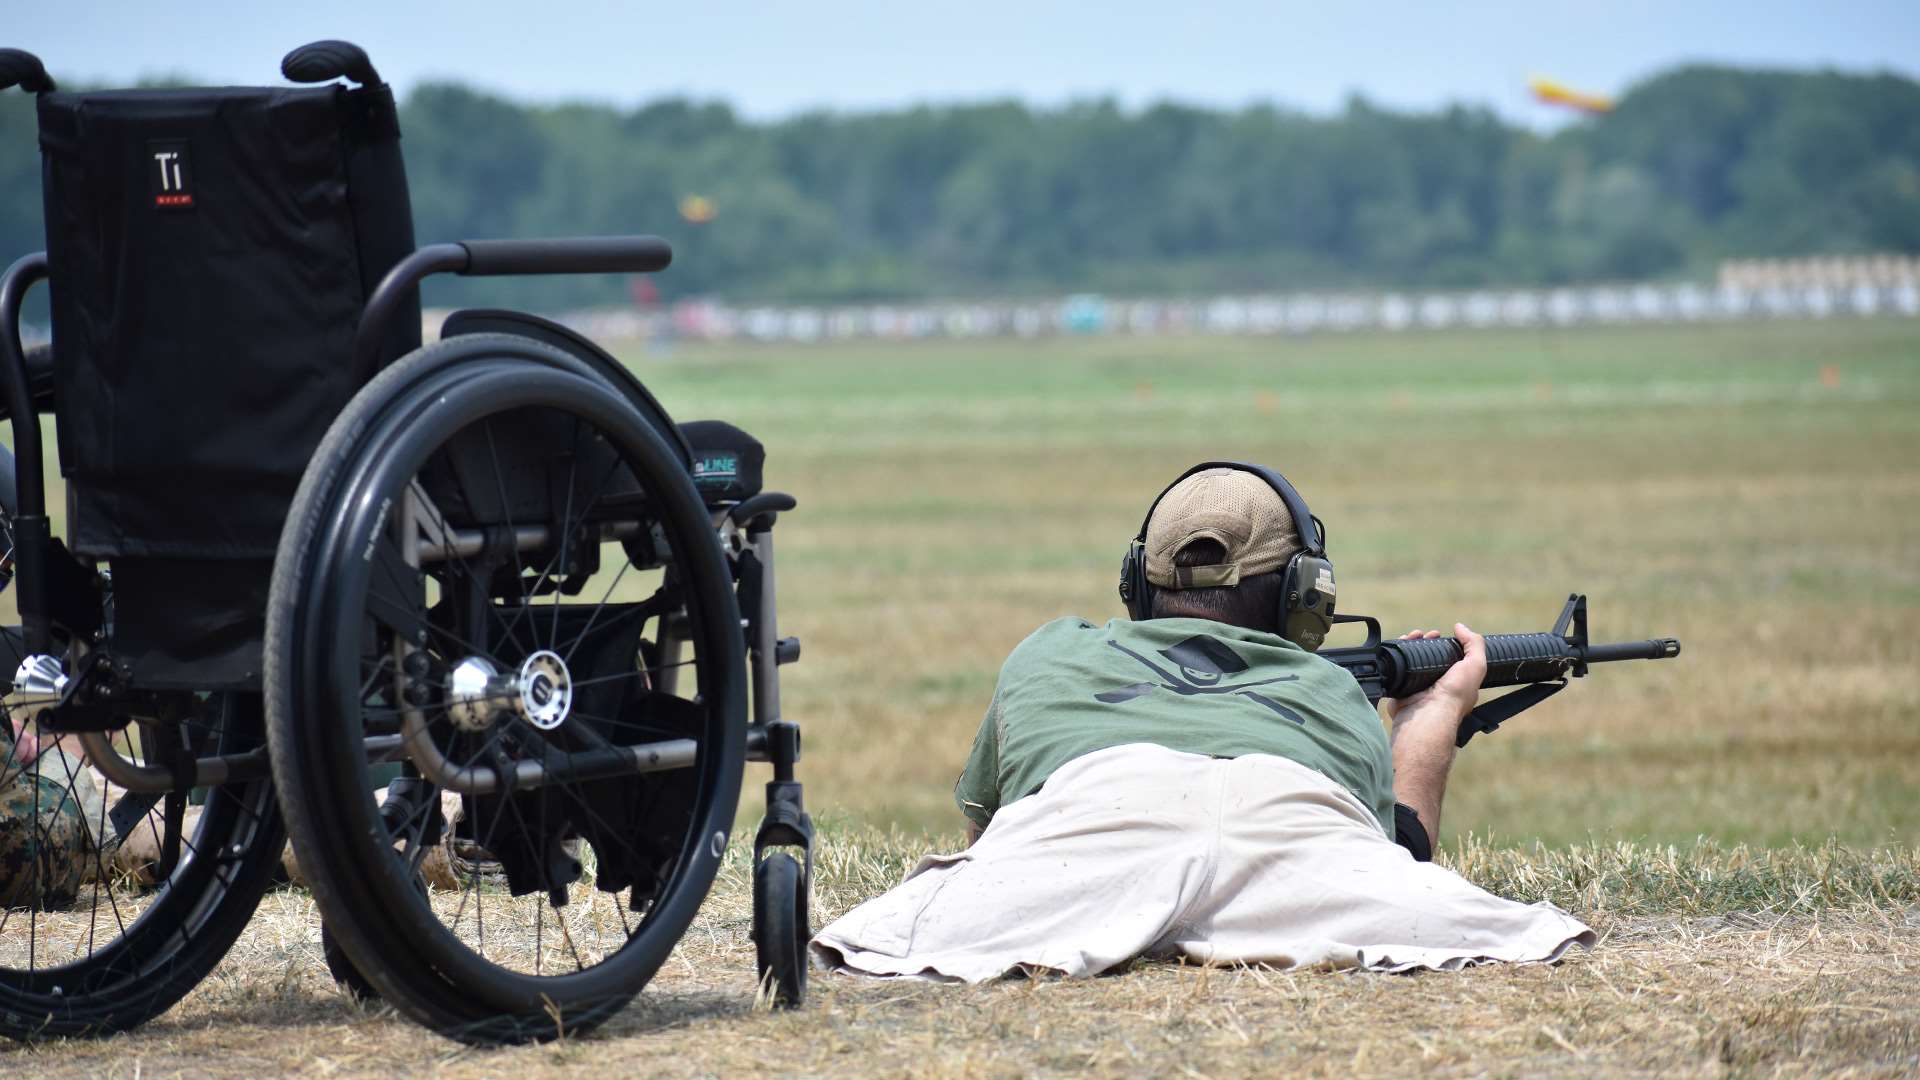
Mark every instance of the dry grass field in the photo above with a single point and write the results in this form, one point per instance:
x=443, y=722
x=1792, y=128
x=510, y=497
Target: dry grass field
x=1740, y=824
x=1753, y=490
x=1713, y=962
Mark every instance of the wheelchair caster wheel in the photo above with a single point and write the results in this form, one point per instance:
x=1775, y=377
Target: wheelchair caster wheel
x=780, y=928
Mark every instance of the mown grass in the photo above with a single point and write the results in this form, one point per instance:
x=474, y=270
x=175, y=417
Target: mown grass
x=1714, y=961
x=1739, y=824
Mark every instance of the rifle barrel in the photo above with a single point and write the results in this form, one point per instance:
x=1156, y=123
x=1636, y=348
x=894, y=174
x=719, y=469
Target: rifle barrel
x=1409, y=666
x=1664, y=648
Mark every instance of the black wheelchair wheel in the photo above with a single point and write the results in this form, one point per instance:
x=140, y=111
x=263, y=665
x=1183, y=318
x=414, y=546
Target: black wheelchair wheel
x=781, y=928
x=122, y=944
x=486, y=547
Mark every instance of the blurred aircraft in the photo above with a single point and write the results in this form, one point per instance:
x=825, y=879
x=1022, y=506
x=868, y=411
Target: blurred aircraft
x=1549, y=92
x=696, y=209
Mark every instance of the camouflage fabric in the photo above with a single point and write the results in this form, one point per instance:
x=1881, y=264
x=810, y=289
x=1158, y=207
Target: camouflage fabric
x=43, y=842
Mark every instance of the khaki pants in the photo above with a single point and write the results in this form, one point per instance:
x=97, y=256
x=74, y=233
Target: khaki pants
x=1143, y=851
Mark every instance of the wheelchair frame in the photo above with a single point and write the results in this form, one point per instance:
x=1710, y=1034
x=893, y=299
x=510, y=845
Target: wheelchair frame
x=55, y=590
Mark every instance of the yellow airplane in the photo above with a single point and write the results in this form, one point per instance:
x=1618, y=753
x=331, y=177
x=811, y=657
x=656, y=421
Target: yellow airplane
x=697, y=209
x=1552, y=93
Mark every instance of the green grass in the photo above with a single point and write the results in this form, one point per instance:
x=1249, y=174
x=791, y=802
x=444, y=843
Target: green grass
x=1752, y=489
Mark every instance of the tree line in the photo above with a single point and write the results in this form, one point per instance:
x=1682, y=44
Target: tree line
x=1694, y=165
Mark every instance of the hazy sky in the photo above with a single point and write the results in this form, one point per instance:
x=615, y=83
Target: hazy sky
x=774, y=59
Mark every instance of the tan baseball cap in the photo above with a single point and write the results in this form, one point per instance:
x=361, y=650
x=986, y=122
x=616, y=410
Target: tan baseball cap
x=1231, y=506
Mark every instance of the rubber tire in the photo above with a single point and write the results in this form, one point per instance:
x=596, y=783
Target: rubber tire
x=781, y=928
x=386, y=940
x=345, y=975
x=340, y=966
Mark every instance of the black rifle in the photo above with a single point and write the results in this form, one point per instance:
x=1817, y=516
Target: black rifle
x=1538, y=663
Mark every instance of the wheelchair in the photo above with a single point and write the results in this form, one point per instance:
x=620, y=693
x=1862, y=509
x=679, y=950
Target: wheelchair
x=475, y=623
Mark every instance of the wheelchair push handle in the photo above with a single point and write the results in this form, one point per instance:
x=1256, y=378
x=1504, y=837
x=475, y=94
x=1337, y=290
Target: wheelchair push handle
x=489, y=258
x=325, y=61
x=573, y=255
x=23, y=69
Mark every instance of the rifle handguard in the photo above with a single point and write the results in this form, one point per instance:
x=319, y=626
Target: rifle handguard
x=1411, y=665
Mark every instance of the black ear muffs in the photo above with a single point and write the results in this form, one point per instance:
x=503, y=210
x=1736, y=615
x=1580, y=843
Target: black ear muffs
x=1136, y=592
x=1306, y=601
x=1307, y=590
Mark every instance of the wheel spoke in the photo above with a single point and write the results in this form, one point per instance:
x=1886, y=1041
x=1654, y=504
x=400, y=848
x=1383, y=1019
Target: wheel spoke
x=569, y=525
x=566, y=520
x=598, y=608
x=99, y=838
x=472, y=886
x=445, y=529
x=33, y=925
x=506, y=509
x=636, y=674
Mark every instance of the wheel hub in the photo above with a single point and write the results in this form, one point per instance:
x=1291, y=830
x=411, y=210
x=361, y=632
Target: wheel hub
x=546, y=690
x=539, y=692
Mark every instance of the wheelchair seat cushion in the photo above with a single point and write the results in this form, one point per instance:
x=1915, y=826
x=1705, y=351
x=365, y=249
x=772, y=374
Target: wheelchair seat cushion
x=210, y=252
x=726, y=461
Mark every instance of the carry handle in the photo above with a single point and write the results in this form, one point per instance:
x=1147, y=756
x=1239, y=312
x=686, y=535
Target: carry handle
x=21, y=68
x=324, y=61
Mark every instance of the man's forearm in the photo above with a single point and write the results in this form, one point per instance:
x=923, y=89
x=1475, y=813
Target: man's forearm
x=1422, y=757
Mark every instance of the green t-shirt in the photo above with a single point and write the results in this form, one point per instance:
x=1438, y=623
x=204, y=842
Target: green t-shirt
x=1192, y=685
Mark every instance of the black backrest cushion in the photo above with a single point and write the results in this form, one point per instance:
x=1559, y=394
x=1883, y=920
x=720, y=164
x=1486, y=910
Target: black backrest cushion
x=210, y=252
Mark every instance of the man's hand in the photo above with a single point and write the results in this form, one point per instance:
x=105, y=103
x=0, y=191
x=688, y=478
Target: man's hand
x=1425, y=725
x=1460, y=686
x=26, y=746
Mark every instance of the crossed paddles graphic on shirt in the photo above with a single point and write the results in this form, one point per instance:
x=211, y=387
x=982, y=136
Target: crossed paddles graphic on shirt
x=1199, y=663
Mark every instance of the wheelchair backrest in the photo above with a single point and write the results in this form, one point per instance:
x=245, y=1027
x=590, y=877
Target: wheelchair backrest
x=210, y=251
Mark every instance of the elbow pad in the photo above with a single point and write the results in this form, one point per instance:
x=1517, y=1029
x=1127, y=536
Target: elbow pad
x=1409, y=833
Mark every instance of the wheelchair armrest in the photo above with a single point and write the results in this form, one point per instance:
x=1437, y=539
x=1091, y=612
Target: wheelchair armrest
x=489, y=258
x=766, y=505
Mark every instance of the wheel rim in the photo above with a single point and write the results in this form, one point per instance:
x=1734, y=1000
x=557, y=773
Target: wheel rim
x=365, y=601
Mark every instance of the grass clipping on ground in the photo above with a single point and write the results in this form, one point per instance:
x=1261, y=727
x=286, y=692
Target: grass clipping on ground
x=1713, y=960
